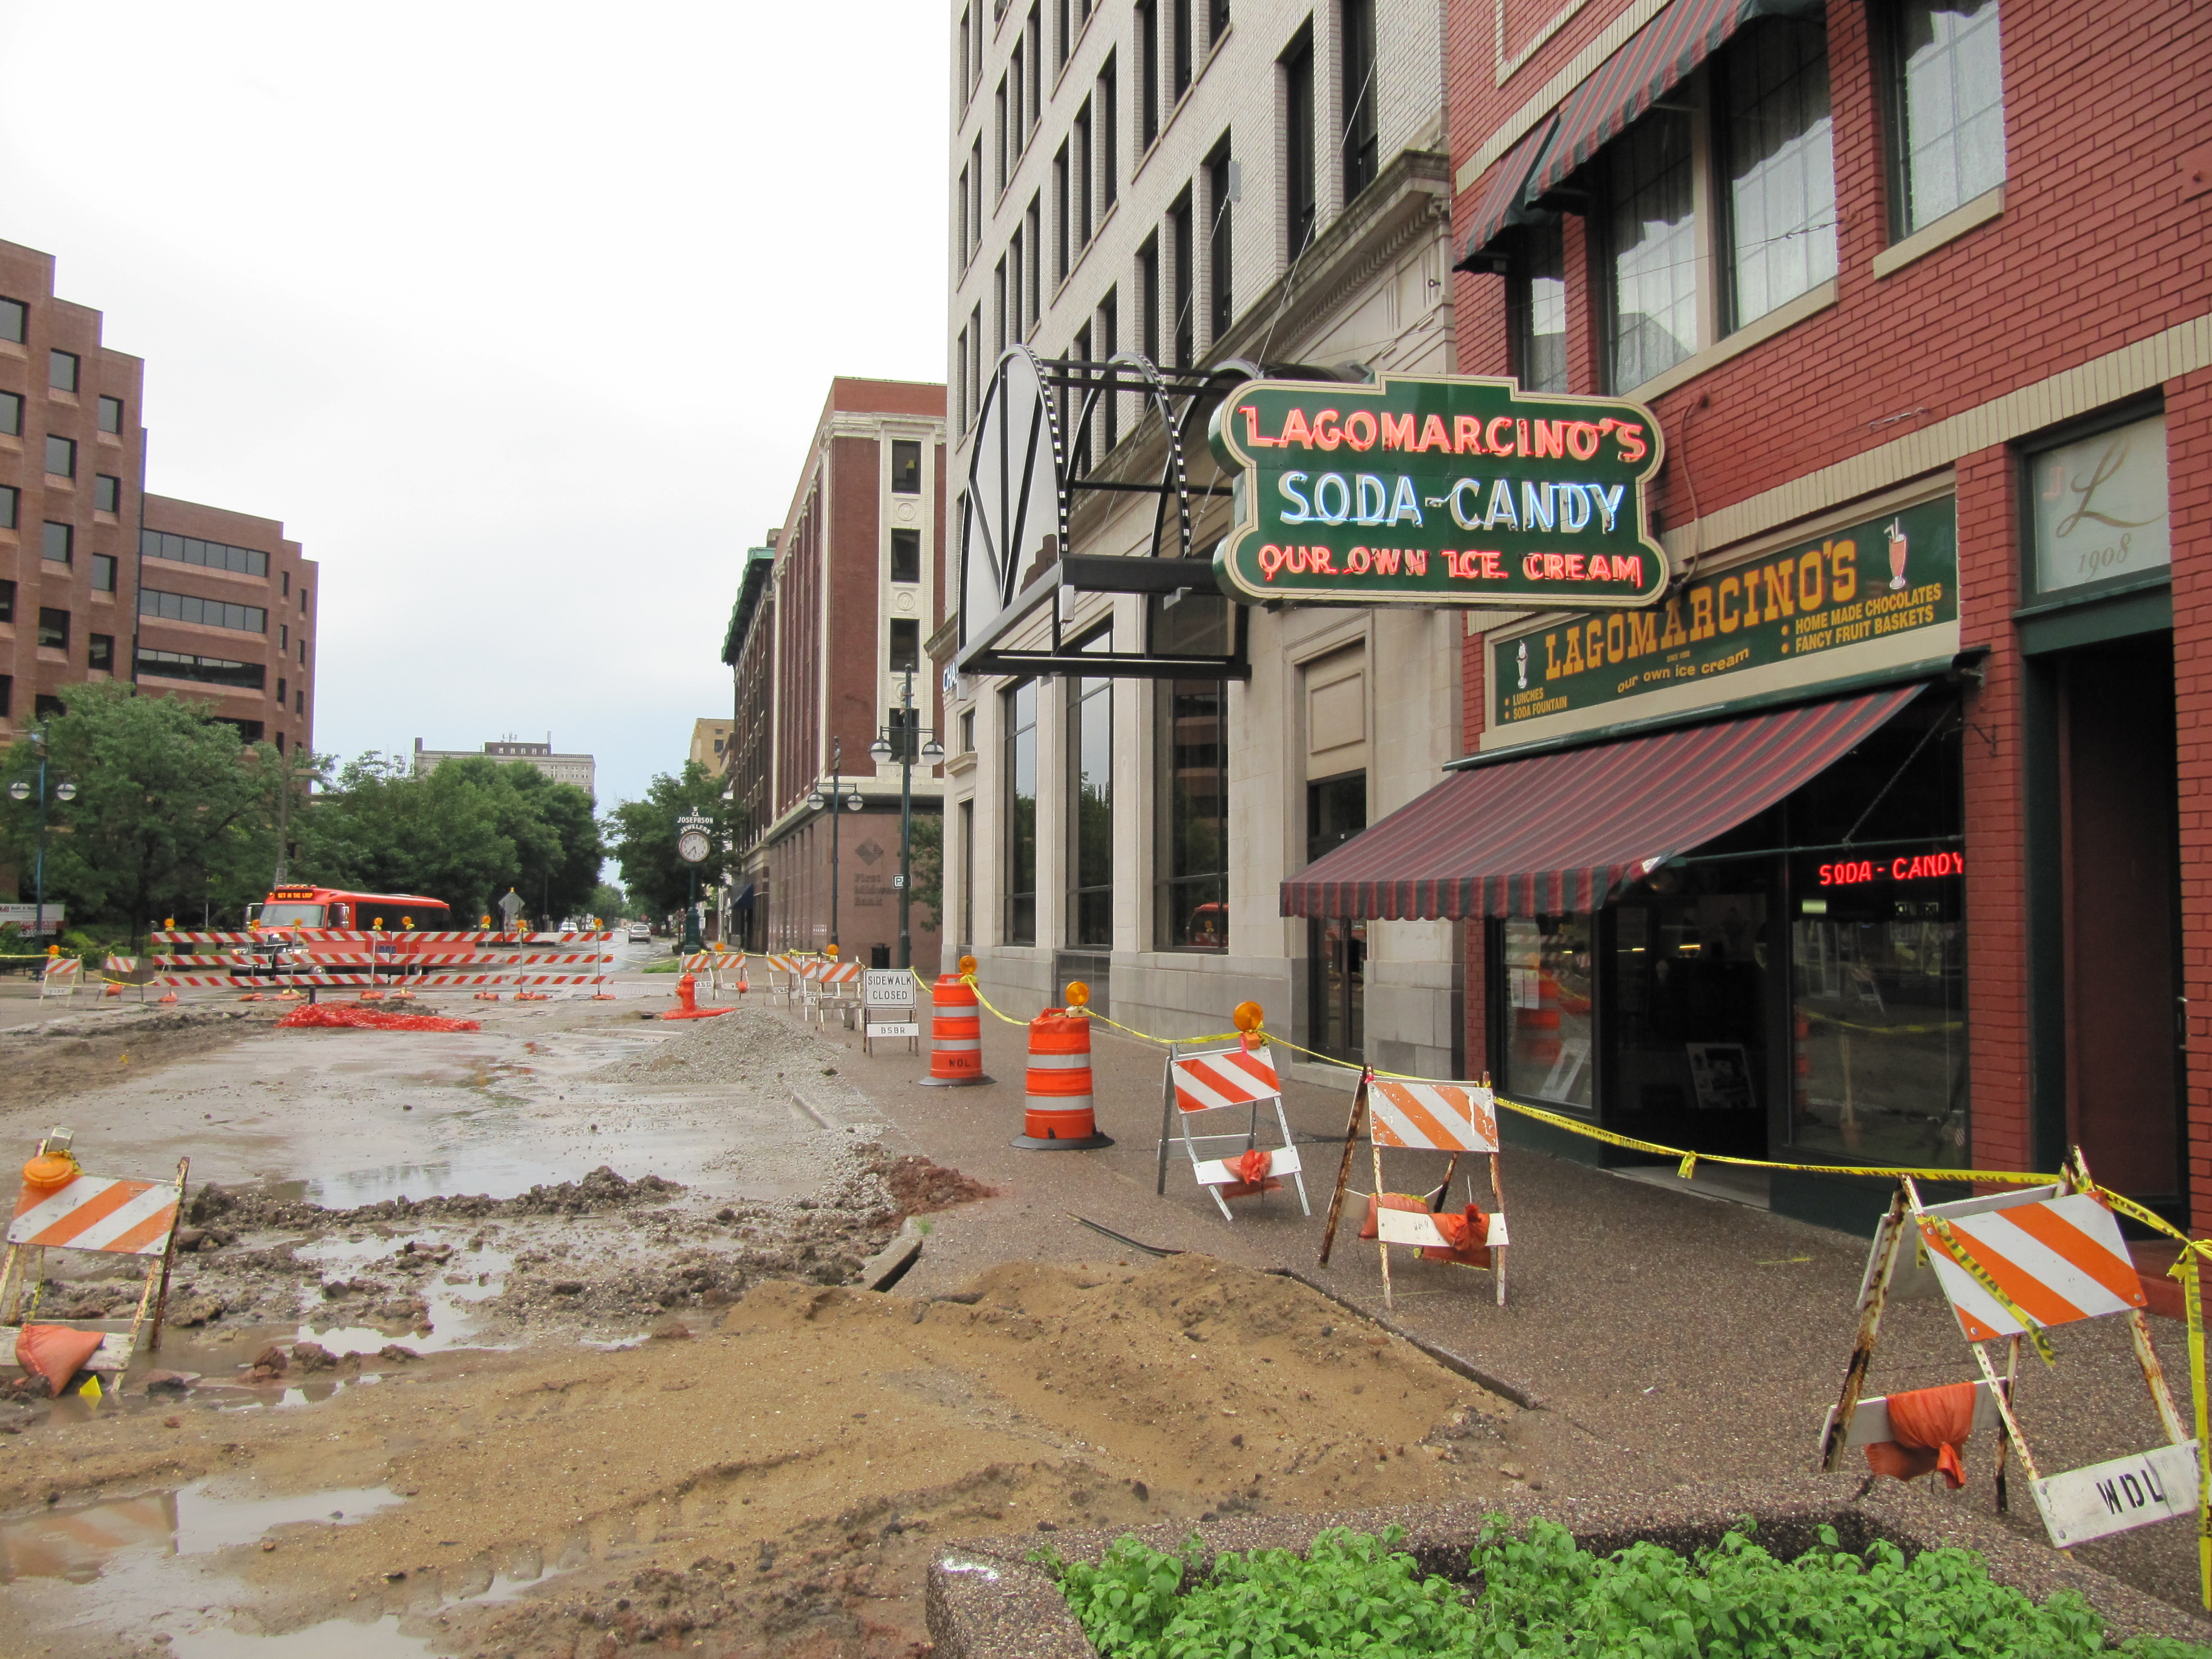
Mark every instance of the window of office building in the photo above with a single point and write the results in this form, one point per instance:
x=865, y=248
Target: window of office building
x=7, y=695
x=1148, y=74
x=1148, y=298
x=60, y=543
x=107, y=492
x=1947, y=85
x=1109, y=134
x=906, y=556
x=14, y=319
x=1538, y=295
x=1183, y=268
x=1651, y=235
x=54, y=629
x=103, y=573
x=1018, y=712
x=62, y=370
x=1181, y=21
x=1361, y=151
x=1301, y=185
x=906, y=646
x=7, y=601
x=1081, y=185
x=9, y=497
x=1033, y=223
x=1190, y=908
x=967, y=821
x=1775, y=137
x=111, y=415
x=61, y=456
x=212, y=555
x=1109, y=335
x=1062, y=212
x=99, y=652
x=212, y=613
x=1090, y=808
x=11, y=414
x=906, y=467
x=1220, y=172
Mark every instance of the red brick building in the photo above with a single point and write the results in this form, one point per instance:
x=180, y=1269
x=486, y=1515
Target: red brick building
x=99, y=579
x=1921, y=295
x=837, y=629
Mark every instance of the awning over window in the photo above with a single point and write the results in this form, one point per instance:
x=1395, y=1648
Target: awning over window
x=1503, y=205
x=744, y=900
x=1656, y=60
x=1568, y=831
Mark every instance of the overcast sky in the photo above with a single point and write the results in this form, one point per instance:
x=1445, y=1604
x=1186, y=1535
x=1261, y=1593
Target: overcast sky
x=519, y=316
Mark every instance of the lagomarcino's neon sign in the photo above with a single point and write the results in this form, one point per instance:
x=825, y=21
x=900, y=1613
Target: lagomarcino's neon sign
x=1453, y=490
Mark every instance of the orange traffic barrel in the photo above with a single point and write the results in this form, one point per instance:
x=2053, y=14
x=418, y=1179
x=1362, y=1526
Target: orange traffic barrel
x=955, y=1034
x=1056, y=1115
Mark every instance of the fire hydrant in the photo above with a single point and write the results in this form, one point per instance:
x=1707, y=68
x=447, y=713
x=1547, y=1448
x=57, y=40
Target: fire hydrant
x=687, y=1002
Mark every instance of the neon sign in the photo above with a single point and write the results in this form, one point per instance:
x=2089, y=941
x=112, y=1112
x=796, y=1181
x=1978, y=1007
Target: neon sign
x=1916, y=867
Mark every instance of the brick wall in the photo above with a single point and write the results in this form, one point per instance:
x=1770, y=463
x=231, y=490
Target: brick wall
x=2189, y=459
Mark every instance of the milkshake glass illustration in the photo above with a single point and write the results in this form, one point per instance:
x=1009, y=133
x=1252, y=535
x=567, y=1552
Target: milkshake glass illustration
x=1896, y=553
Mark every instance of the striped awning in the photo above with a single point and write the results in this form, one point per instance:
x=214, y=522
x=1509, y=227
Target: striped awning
x=1505, y=204
x=1656, y=60
x=1569, y=831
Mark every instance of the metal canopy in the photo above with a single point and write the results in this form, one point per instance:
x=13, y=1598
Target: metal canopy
x=1025, y=481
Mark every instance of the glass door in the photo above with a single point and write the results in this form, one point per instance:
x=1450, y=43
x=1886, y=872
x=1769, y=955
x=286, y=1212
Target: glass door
x=1336, y=811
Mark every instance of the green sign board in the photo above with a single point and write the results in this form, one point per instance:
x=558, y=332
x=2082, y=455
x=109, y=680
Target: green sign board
x=1446, y=491
x=1875, y=580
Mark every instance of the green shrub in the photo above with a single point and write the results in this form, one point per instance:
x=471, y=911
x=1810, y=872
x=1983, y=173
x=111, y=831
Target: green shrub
x=1543, y=1597
x=1353, y=1593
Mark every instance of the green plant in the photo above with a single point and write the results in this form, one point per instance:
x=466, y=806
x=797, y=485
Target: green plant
x=1543, y=1597
x=1353, y=1593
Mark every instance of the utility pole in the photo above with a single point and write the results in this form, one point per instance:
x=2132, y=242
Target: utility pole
x=907, y=735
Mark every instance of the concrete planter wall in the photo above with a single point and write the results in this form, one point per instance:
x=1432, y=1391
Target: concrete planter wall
x=988, y=1602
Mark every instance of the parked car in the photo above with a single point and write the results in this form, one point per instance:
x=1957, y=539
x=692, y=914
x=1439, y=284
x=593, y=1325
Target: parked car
x=640, y=932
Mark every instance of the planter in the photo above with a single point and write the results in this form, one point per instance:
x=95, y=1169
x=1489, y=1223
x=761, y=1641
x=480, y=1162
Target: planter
x=986, y=1600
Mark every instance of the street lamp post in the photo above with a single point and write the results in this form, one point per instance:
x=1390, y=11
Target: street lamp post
x=837, y=798
x=20, y=790
x=931, y=752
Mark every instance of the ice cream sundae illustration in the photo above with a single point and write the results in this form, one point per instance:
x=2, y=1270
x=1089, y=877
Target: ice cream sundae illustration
x=1524, y=658
x=1896, y=553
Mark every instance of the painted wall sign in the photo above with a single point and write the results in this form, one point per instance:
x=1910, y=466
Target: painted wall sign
x=1445, y=491
x=2100, y=507
x=1871, y=581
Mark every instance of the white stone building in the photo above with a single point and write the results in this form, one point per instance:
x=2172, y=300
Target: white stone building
x=579, y=770
x=1198, y=181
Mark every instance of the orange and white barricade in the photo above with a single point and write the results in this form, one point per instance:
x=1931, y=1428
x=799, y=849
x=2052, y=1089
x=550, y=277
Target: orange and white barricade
x=887, y=1009
x=1240, y=1079
x=60, y=977
x=1417, y=1115
x=121, y=971
x=838, y=992
x=2012, y=1266
x=60, y=1207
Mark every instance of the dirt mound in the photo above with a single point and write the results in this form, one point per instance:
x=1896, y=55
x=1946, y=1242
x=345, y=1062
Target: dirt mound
x=919, y=1187
x=749, y=1046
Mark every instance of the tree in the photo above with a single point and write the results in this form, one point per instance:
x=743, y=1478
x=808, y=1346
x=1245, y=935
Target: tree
x=927, y=859
x=644, y=836
x=172, y=814
x=464, y=832
x=609, y=903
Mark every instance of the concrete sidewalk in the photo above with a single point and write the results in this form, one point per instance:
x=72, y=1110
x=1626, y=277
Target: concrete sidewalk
x=1663, y=1336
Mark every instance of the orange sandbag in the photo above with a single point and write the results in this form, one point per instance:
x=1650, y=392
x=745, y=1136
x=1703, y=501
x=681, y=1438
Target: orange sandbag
x=1928, y=1426
x=1250, y=1169
x=55, y=1353
x=1467, y=1232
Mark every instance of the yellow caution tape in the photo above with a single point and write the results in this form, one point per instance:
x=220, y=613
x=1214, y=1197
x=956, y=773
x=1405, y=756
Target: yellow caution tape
x=1885, y=1030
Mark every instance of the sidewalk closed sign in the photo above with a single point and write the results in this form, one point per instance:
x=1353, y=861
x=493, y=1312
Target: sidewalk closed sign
x=2128, y=1491
x=891, y=991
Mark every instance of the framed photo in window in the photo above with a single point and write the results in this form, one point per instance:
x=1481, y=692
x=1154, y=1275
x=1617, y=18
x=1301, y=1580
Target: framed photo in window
x=1721, y=1074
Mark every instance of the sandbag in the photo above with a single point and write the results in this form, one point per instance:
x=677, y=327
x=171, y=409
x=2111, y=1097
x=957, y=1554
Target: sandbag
x=55, y=1352
x=1928, y=1426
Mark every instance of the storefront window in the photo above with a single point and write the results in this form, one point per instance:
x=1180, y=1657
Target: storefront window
x=1018, y=710
x=1193, y=907
x=1090, y=808
x=1548, y=962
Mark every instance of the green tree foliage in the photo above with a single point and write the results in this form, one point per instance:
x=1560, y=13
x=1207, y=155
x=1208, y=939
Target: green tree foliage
x=609, y=903
x=172, y=814
x=465, y=833
x=644, y=836
x=929, y=862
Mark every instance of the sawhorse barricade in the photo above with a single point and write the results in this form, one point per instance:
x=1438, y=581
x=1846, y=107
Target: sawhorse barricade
x=1239, y=1078
x=1459, y=1119
x=2012, y=1265
x=60, y=977
x=376, y=962
x=121, y=971
x=61, y=1207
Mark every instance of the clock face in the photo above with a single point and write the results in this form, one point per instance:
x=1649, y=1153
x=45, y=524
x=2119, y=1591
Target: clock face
x=691, y=847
